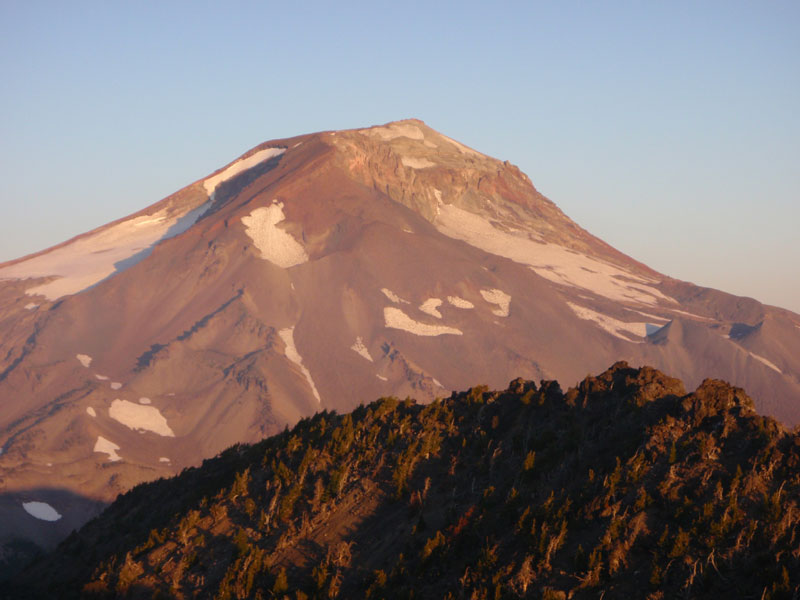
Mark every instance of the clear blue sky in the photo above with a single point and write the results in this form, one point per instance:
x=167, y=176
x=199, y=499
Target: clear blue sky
x=669, y=129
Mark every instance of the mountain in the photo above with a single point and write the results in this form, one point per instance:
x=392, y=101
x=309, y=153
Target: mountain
x=315, y=273
x=624, y=487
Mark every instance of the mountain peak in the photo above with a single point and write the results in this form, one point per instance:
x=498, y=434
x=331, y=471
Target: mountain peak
x=313, y=273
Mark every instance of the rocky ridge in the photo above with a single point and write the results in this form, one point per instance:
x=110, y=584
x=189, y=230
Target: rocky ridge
x=623, y=486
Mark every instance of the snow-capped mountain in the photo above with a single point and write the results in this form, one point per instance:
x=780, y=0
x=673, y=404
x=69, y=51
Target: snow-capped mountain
x=317, y=273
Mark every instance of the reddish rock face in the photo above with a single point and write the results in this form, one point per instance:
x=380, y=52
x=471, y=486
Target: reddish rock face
x=320, y=272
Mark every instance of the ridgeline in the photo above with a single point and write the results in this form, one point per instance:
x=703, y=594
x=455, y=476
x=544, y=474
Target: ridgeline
x=624, y=486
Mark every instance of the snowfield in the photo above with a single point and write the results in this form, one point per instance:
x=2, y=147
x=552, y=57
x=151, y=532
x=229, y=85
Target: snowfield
x=240, y=166
x=551, y=261
x=41, y=510
x=138, y=417
x=768, y=363
x=416, y=163
x=460, y=302
x=107, y=447
x=287, y=335
x=614, y=326
x=90, y=411
x=431, y=307
x=397, y=319
x=361, y=349
x=87, y=260
x=275, y=244
x=499, y=298
x=392, y=296
x=395, y=130
x=84, y=359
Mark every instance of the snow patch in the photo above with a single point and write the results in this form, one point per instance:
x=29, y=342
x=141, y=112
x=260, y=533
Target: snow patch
x=431, y=306
x=84, y=359
x=397, y=319
x=115, y=385
x=31, y=306
x=275, y=244
x=41, y=510
x=287, y=335
x=87, y=260
x=500, y=298
x=107, y=447
x=144, y=400
x=460, y=302
x=417, y=163
x=163, y=459
x=361, y=349
x=381, y=377
x=436, y=381
x=462, y=148
x=395, y=130
x=551, y=261
x=138, y=417
x=763, y=360
x=613, y=326
x=240, y=166
x=90, y=411
x=101, y=377
x=392, y=296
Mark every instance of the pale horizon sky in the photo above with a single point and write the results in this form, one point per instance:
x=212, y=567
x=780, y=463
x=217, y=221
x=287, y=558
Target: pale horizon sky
x=670, y=130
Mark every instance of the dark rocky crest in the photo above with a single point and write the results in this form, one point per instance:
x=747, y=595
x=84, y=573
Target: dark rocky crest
x=624, y=487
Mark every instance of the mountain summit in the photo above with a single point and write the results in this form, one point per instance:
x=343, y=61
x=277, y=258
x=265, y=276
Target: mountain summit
x=316, y=273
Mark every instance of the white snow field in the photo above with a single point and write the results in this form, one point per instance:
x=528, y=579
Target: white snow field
x=500, y=299
x=163, y=459
x=115, y=385
x=240, y=166
x=144, y=401
x=763, y=360
x=551, y=261
x=138, y=417
x=614, y=326
x=275, y=244
x=107, y=447
x=416, y=163
x=381, y=377
x=431, y=307
x=395, y=130
x=87, y=260
x=41, y=510
x=91, y=412
x=31, y=306
x=397, y=319
x=460, y=302
x=359, y=347
x=101, y=377
x=393, y=297
x=287, y=335
x=84, y=359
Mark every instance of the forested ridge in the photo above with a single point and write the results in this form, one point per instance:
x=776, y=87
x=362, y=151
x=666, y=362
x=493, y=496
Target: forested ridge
x=622, y=487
